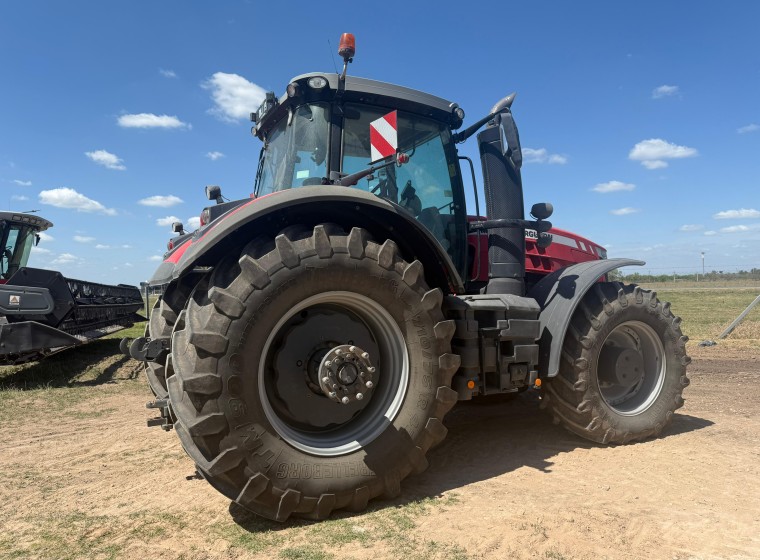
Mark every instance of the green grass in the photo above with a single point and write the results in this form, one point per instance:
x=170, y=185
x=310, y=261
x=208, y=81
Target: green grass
x=706, y=313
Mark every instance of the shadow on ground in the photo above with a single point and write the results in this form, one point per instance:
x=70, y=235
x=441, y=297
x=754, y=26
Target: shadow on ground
x=486, y=439
x=94, y=363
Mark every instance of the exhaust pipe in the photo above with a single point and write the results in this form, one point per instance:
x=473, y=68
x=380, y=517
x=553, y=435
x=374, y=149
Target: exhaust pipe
x=501, y=159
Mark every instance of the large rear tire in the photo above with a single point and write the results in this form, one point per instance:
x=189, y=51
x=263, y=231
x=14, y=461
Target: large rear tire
x=623, y=367
x=253, y=407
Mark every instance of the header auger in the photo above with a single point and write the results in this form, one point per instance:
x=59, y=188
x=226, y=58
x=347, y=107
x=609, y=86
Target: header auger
x=284, y=308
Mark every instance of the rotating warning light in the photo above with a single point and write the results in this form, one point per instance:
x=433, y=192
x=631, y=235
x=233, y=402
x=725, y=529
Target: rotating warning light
x=347, y=46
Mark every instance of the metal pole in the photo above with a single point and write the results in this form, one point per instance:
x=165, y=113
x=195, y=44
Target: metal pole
x=739, y=319
x=147, y=301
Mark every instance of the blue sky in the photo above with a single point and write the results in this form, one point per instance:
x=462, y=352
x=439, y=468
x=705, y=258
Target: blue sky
x=640, y=120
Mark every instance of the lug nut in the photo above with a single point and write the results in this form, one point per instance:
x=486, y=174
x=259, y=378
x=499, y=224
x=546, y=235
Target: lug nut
x=345, y=400
x=333, y=395
x=325, y=379
x=359, y=396
x=369, y=384
x=371, y=369
x=338, y=352
x=365, y=356
x=328, y=363
x=352, y=349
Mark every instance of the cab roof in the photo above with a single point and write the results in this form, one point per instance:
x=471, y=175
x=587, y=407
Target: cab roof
x=38, y=223
x=364, y=91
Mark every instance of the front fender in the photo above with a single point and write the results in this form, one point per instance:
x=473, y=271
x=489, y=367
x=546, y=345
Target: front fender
x=345, y=206
x=558, y=294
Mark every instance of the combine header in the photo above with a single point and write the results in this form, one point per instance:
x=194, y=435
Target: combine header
x=40, y=310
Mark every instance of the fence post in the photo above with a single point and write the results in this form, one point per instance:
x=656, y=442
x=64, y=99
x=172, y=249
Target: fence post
x=739, y=319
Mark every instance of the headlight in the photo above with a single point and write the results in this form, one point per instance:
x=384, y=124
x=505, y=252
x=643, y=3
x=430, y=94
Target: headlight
x=317, y=82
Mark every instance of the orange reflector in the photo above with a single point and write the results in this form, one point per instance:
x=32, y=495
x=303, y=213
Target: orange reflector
x=470, y=384
x=538, y=382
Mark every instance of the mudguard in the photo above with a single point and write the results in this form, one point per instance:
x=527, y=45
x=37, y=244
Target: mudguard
x=558, y=294
x=319, y=204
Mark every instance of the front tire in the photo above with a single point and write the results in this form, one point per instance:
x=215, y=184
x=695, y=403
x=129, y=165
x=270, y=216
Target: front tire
x=251, y=410
x=623, y=367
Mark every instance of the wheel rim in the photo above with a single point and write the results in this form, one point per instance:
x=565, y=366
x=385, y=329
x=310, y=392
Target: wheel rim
x=631, y=368
x=290, y=395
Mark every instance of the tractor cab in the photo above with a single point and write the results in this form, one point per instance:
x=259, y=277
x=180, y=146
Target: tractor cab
x=319, y=132
x=18, y=234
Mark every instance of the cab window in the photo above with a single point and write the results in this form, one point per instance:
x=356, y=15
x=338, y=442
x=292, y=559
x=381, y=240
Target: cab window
x=423, y=186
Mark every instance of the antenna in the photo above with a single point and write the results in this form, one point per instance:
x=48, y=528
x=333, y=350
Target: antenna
x=332, y=54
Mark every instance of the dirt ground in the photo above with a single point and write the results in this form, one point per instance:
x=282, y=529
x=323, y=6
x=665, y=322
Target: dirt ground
x=86, y=478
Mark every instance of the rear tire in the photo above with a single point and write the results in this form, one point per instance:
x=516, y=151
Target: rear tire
x=160, y=325
x=623, y=367
x=249, y=409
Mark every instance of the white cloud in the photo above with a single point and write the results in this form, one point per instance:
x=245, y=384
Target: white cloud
x=613, y=186
x=149, y=120
x=213, y=156
x=69, y=198
x=652, y=153
x=624, y=211
x=737, y=214
x=44, y=236
x=160, y=200
x=193, y=223
x=22, y=183
x=749, y=128
x=167, y=73
x=691, y=227
x=101, y=246
x=126, y=246
x=739, y=228
x=65, y=258
x=710, y=232
x=83, y=239
x=40, y=251
x=106, y=159
x=234, y=96
x=155, y=258
x=167, y=221
x=19, y=198
x=664, y=91
x=541, y=155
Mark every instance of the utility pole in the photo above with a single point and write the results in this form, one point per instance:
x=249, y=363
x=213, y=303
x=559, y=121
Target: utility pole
x=703, y=263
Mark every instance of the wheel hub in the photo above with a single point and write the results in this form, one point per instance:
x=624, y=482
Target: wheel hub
x=622, y=366
x=346, y=374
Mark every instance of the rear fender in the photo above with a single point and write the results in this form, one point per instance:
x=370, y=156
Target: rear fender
x=558, y=294
x=310, y=206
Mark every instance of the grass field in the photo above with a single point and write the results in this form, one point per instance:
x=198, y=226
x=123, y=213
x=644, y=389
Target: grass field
x=46, y=513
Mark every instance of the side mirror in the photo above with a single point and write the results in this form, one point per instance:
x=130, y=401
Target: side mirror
x=510, y=139
x=177, y=227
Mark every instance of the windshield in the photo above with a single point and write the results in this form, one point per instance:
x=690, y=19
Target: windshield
x=295, y=152
x=423, y=186
x=17, y=244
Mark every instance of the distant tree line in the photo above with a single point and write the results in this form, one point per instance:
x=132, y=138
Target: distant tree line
x=712, y=276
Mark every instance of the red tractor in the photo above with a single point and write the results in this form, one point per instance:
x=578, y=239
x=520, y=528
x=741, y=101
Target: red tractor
x=312, y=338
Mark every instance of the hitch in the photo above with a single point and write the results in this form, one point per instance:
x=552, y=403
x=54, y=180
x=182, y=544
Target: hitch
x=145, y=349
x=165, y=420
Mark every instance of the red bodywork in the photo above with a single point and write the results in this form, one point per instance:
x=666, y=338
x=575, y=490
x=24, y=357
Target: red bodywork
x=567, y=248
